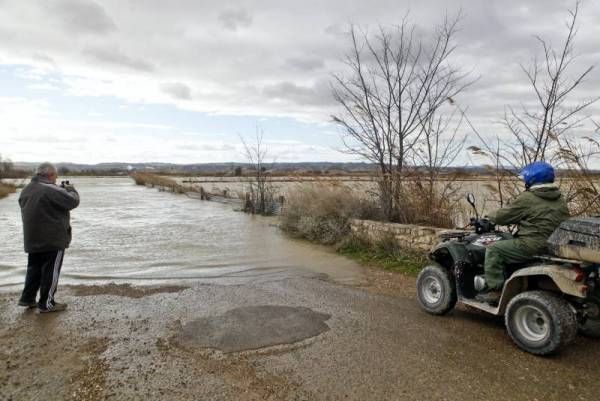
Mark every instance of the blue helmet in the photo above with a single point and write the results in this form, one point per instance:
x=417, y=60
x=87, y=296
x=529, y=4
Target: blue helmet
x=538, y=172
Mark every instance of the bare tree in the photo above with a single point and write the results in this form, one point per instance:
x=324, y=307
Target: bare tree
x=545, y=130
x=260, y=190
x=395, y=81
x=6, y=167
x=438, y=148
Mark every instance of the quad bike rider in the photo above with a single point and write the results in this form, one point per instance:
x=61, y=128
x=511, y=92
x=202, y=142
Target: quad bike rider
x=537, y=212
x=545, y=298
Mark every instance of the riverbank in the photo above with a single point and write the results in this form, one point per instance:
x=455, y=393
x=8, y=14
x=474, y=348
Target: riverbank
x=386, y=255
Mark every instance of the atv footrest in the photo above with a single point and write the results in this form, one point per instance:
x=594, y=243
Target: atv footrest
x=494, y=310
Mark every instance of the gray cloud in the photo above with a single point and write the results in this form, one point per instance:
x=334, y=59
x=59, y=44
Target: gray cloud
x=177, y=90
x=44, y=58
x=282, y=66
x=301, y=95
x=117, y=58
x=305, y=63
x=81, y=16
x=233, y=19
x=206, y=147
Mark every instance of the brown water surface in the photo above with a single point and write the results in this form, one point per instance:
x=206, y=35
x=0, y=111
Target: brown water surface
x=125, y=233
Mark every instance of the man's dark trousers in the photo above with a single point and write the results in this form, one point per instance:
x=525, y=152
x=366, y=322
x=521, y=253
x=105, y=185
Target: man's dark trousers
x=43, y=269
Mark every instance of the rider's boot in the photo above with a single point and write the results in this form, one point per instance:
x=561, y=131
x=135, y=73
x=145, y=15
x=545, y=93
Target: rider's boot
x=486, y=295
x=489, y=296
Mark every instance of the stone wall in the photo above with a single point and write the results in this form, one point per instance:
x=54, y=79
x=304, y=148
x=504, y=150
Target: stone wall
x=408, y=235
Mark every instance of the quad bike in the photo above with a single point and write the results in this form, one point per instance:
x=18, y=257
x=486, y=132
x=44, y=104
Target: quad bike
x=544, y=302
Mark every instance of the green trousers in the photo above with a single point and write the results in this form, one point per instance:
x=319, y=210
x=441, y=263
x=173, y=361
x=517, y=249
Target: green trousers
x=499, y=256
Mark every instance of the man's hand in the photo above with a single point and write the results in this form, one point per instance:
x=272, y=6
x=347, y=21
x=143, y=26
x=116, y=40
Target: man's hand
x=68, y=186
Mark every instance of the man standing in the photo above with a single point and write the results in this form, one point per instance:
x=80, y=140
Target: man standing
x=45, y=210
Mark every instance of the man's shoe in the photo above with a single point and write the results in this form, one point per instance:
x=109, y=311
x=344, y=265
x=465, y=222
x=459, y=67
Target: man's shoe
x=57, y=307
x=491, y=297
x=29, y=305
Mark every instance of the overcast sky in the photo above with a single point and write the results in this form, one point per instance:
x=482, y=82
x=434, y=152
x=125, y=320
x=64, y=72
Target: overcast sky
x=180, y=81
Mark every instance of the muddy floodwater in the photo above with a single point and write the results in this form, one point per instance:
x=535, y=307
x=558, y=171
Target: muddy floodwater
x=127, y=233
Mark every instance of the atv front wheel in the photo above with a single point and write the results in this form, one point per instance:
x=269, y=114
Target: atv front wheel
x=540, y=322
x=436, y=290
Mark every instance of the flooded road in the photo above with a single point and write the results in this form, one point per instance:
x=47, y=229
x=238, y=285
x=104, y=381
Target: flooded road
x=127, y=233
x=280, y=332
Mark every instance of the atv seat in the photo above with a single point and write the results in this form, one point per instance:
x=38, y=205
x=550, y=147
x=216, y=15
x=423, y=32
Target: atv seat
x=510, y=269
x=555, y=259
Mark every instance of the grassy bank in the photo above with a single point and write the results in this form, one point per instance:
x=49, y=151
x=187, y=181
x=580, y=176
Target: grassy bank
x=7, y=189
x=385, y=254
x=322, y=214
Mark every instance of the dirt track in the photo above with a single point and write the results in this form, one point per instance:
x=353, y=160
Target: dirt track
x=121, y=343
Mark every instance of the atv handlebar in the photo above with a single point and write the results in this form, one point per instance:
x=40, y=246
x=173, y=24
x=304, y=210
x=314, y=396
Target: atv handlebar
x=482, y=225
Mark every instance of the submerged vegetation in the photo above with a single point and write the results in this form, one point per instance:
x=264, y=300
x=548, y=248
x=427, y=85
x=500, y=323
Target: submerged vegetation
x=6, y=189
x=164, y=183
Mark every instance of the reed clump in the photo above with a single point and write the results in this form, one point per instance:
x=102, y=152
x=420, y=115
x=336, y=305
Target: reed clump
x=322, y=212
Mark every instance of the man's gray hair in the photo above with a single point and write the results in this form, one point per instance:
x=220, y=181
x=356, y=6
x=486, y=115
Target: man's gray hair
x=46, y=169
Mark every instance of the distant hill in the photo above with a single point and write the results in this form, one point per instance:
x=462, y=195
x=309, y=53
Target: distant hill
x=201, y=167
x=215, y=168
x=334, y=168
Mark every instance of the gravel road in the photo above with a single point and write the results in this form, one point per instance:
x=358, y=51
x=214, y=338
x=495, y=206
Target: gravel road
x=298, y=338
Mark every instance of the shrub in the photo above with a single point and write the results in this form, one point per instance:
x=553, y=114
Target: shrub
x=322, y=212
x=430, y=205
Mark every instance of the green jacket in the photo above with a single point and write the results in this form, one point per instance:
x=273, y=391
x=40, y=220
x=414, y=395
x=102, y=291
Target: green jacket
x=537, y=212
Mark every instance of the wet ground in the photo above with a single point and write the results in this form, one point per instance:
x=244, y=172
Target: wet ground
x=297, y=338
x=171, y=298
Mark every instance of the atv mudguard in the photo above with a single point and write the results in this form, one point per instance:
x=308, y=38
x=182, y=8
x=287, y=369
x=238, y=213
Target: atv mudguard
x=563, y=278
x=457, y=252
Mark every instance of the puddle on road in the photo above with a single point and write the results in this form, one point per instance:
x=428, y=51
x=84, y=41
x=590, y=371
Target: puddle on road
x=123, y=290
x=253, y=327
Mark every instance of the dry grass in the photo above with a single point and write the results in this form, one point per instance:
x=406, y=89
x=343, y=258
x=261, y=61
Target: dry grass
x=322, y=212
x=7, y=189
x=429, y=205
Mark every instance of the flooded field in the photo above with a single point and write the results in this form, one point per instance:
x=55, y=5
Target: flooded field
x=127, y=233
x=362, y=185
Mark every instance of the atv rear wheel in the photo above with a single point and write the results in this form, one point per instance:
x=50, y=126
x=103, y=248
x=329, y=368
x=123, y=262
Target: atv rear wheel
x=540, y=322
x=436, y=290
x=591, y=327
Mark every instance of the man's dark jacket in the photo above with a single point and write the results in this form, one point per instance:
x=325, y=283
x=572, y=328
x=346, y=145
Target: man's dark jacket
x=45, y=211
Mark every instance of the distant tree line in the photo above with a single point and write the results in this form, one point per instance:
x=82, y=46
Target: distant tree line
x=7, y=169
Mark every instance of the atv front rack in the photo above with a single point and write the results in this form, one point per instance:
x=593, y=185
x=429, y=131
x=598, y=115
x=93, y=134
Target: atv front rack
x=454, y=234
